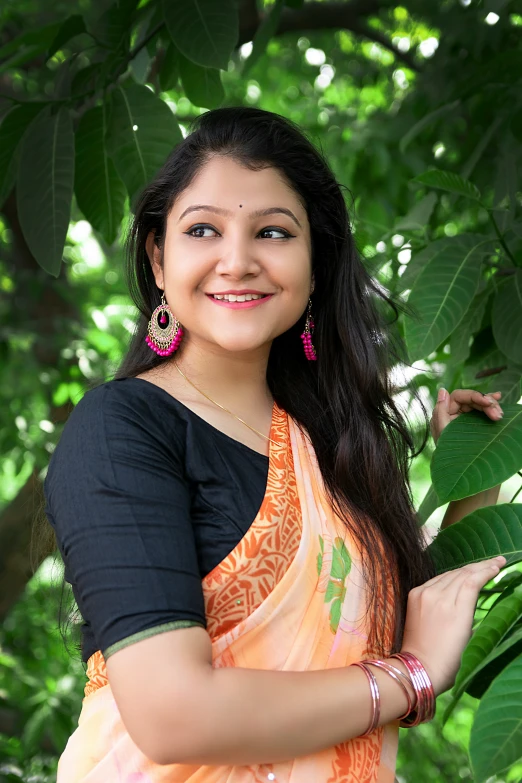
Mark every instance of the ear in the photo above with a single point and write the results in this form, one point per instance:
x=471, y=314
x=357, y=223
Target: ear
x=154, y=255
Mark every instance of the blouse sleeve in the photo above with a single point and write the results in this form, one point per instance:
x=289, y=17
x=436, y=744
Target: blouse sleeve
x=119, y=501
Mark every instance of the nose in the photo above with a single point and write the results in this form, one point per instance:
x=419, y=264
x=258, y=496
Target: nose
x=238, y=256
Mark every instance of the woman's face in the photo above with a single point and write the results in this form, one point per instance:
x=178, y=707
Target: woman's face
x=218, y=241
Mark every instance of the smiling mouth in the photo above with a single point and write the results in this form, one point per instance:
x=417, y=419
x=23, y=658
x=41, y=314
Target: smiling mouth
x=238, y=297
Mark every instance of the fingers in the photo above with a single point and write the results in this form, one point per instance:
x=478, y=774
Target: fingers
x=472, y=578
x=464, y=400
x=444, y=580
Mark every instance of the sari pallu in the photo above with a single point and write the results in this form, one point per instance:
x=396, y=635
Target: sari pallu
x=290, y=597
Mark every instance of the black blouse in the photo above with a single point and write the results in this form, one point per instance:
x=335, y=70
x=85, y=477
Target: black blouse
x=146, y=498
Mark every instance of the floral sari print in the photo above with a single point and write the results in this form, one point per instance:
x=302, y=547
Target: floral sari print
x=289, y=597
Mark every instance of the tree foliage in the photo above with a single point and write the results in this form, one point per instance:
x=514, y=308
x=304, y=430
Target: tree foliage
x=418, y=108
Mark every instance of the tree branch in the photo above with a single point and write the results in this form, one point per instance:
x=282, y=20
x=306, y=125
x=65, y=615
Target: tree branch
x=316, y=15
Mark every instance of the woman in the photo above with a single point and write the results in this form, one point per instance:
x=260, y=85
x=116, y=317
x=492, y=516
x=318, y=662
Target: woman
x=233, y=509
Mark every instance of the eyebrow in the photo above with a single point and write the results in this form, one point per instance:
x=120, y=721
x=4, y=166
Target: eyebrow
x=257, y=213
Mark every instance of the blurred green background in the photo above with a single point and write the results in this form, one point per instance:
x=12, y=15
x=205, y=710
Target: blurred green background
x=387, y=91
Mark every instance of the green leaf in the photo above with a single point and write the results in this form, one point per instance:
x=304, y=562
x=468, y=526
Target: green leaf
x=486, y=532
x=31, y=43
x=264, y=33
x=45, y=186
x=169, y=73
x=447, y=180
x=202, y=86
x=470, y=324
x=421, y=258
x=99, y=191
x=425, y=122
x=475, y=453
x=429, y=504
x=12, y=129
x=113, y=27
x=492, y=630
x=442, y=293
x=418, y=217
x=507, y=317
x=509, y=649
x=139, y=154
x=205, y=31
x=496, y=735
x=72, y=26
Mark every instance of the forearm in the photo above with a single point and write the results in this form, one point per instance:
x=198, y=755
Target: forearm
x=244, y=716
x=458, y=509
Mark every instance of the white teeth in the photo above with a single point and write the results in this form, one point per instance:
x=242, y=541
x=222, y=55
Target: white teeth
x=237, y=297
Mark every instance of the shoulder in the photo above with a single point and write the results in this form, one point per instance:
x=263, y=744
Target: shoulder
x=120, y=421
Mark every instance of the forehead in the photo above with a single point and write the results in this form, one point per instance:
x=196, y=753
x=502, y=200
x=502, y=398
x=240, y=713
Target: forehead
x=232, y=184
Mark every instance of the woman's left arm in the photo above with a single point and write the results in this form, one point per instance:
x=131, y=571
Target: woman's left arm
x=448, y=407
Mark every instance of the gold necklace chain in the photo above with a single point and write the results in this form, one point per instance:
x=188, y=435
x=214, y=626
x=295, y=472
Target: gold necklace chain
x=223, y=407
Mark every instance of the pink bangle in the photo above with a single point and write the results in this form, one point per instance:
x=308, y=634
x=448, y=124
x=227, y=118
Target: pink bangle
x=398, y=676
x=376, y=699
x=425, y=708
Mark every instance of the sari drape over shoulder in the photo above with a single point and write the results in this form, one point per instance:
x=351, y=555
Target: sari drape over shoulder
x=289, y=597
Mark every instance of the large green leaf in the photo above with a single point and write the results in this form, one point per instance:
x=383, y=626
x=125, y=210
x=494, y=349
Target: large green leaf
x=420, y=259
x=202, y=85
x=485, y=533
x=491, y=631
x=507, y=317
x=44, y=186
x=496, y=735
x=442, y=293
x=169, y=73
x=264, y=33
x=205, y=31
x=142, y=133
x=475, y=453
x=28, y=45
x=12, y=129
x=100, y=193
x=447, y=180
x=429, y=504
x=470, y=324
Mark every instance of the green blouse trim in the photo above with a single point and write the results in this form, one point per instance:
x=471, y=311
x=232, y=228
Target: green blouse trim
x=137, y=637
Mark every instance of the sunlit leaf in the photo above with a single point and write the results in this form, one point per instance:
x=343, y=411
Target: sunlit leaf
x=475, y=453
x=442, y=293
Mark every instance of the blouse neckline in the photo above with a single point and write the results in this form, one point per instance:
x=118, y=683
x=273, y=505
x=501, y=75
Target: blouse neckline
x=229, y=438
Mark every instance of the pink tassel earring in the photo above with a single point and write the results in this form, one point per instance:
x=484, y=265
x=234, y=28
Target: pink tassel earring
x=163, y=339
x=306, y=337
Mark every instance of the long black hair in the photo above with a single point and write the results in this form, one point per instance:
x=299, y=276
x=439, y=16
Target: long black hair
x=344, y=400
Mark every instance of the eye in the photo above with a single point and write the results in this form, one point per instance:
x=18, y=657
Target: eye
x=282, y=231
x=200, y=227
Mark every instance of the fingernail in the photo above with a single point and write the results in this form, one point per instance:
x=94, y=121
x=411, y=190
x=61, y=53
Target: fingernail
x=489, y=399
x=441, y=396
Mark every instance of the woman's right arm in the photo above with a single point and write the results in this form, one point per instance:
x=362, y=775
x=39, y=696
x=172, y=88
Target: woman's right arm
x=178, y=709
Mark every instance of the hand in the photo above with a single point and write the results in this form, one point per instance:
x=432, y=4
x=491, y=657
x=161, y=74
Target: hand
x=439, y=619
x=449, y=406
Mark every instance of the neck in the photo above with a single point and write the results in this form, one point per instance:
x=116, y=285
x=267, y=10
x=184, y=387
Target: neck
x=236, y=380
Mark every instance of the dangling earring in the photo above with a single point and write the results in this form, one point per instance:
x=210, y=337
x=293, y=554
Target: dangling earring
x=306, y=337
x=164, y=339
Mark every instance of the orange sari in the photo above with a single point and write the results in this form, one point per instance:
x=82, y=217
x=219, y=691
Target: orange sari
x=289, y=597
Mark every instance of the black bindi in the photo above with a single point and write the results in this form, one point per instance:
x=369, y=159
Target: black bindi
x=240, y=206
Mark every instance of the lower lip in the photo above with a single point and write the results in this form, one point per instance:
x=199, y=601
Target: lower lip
x=240, y=305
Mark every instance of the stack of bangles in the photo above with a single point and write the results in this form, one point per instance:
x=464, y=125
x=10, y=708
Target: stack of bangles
x=421, y=710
